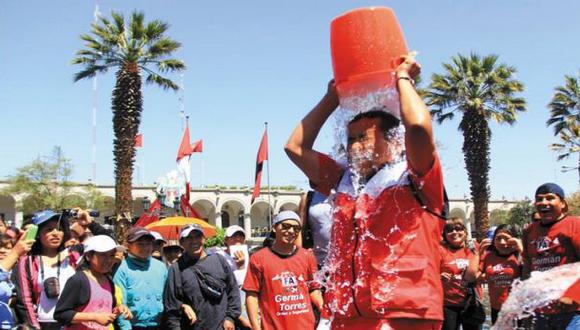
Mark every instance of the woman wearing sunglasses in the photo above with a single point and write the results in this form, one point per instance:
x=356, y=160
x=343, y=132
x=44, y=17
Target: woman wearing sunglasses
x=44, y=271
x=459, y=262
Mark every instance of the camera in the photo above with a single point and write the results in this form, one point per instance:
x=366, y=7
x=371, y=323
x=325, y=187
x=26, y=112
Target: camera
x=51, y=287
x=73, y=214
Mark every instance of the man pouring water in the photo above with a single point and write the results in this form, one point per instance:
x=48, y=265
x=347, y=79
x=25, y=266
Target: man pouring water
x=383, y=263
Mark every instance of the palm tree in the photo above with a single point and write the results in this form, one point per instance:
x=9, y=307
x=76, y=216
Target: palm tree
x=131, y=48
x=565, y=118
x=481, y=90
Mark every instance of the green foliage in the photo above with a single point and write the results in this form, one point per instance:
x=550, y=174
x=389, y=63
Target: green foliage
x=521, y=214
x=117, y=43
x=573, y=201
x=565, y=117
x=497, y=217
x=46, y=184
x=217, y=240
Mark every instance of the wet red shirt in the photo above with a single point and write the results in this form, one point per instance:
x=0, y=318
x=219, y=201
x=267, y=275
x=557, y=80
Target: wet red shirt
x=384, y=259
x=454, y=262
x=283, y=286
x=546, y=247
x=500, y=272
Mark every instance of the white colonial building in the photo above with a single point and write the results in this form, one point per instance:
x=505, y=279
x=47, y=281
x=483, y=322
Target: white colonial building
x=225, y=207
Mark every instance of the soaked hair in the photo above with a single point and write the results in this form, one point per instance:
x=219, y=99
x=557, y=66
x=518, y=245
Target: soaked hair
x=512, y=230
x=387, y=121
x=450, y=224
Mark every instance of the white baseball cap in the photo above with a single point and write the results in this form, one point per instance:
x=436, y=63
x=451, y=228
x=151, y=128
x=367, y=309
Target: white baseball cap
x=101, y=243
x=157, y=236
x=185, y=231
x=231, y=230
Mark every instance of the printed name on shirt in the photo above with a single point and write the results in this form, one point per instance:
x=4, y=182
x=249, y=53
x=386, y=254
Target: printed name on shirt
x=291, y=302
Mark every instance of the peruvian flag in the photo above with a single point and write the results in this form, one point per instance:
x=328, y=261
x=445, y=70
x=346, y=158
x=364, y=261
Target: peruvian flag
x=151, y=215
x=262, y=156
x=187, y=148
x=139, y=140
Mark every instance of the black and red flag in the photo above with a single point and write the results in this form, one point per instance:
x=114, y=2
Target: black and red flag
x=262, y=156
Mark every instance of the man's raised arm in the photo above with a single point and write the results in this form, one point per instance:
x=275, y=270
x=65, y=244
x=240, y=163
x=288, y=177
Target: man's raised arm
x=419, y=141
x=300, y=143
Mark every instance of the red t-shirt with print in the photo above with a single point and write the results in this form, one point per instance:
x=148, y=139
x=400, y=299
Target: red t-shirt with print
x=548, y=246
x=283, y=285
x=454, y=262
x=500, y=272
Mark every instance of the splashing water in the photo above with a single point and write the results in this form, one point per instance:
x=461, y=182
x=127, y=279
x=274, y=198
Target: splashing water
x=394, y=173
x=541, y=289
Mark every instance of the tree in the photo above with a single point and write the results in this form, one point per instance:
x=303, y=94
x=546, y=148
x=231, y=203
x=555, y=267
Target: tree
x=45, y=184
x=573, y=203
x=521, y=214
x=497, y=217
x=565, y=118
x=131, y=48
x=481, y=90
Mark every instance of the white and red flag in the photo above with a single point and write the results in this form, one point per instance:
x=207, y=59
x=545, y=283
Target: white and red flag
x=187, y=148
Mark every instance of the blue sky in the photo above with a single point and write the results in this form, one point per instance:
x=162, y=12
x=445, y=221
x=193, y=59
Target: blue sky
x=256, y=61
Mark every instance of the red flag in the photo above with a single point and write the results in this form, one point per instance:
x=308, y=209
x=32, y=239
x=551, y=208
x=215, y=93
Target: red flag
x=261, y=157
x=139, y=140
x=197, y=146
x=185, y=146
x=186, y=209
x=151, y=215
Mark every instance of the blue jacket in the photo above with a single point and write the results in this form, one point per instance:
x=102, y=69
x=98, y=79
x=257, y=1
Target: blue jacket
x=142, y=284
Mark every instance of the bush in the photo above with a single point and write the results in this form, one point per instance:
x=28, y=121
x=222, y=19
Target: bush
x=217, y=240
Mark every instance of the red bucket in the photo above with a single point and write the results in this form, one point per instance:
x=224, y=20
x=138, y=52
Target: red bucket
x=366, y=45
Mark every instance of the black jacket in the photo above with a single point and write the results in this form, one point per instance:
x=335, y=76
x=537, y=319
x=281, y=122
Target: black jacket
x=76, y=293
x=182, y=287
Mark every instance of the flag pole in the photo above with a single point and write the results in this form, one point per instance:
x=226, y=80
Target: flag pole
x=268, y=173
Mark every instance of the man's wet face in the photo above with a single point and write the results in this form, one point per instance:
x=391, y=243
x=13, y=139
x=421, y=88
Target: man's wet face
x=368, y=148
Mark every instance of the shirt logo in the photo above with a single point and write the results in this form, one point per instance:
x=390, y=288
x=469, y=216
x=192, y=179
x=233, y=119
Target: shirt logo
x=288, y=280
x=545, y=243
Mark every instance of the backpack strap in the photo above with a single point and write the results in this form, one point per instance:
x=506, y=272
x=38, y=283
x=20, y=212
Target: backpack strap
x=421, y=200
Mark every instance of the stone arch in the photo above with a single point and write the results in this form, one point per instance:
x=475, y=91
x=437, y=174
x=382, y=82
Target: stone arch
x=206, y=210
x=457, y=213
x=230, y=212
x=260, y=222
x=287, y=206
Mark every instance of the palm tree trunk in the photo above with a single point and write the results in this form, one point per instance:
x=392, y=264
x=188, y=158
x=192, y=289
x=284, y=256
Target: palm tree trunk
x=127, y=107
x=476, y=140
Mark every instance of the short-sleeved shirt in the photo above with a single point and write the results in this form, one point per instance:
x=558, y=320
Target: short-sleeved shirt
x=500, y=272
x=283, y=285
x=548, y=246
x=454, y=262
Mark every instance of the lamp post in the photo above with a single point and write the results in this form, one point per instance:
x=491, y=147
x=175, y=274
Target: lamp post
x=176, y=205
x=146, y=203
x=467, y=220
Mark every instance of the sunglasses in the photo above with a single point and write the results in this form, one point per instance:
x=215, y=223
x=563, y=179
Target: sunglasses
x=454, y=228
x=287, y=226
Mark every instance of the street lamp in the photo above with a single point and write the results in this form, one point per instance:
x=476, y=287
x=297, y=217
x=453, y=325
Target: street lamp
x=146, y=203
x=176, y=205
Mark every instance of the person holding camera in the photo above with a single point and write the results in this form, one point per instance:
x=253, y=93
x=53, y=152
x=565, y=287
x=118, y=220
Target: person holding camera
x=42, y=273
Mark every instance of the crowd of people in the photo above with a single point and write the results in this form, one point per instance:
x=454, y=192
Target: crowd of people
x=370, y=248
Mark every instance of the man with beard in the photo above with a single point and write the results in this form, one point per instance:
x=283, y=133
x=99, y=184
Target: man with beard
x=383, y=262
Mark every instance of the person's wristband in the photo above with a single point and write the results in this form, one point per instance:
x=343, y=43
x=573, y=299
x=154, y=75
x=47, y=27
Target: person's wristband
x=406, y=78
